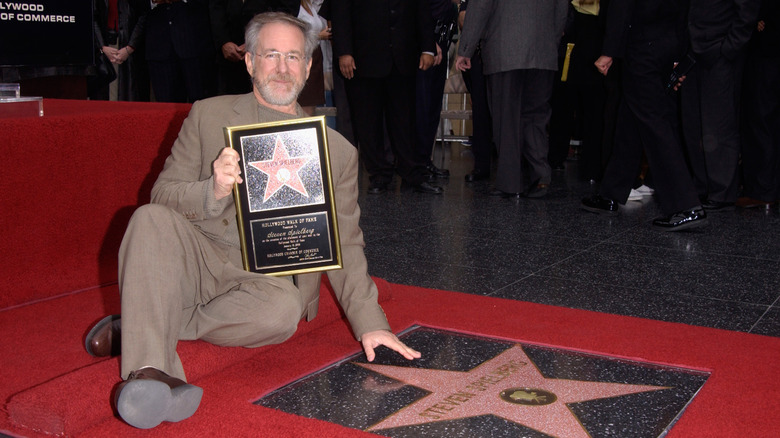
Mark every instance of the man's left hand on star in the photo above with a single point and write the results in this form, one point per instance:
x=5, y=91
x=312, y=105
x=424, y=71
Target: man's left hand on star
x=371, y=340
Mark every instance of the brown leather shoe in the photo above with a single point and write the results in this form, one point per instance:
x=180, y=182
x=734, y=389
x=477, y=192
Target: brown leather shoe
x=149, y=396
x=105, y=337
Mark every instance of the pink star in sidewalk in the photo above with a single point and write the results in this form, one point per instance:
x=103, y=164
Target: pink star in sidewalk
x=507, y=386
x=282, y=170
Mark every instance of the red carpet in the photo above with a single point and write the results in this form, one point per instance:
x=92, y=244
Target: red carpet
x=741, y=397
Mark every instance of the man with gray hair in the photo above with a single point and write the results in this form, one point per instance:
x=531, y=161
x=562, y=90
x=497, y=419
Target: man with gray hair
x=180, y=268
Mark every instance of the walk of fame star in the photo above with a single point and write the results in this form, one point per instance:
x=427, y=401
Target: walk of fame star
x=508, y=386
x=282, y=170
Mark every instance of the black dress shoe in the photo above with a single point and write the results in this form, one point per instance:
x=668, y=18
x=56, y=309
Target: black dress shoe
x=682, y=220
x=599, y=204
x=538, y=191
x=438, y=173
x=149, y=396
x=426, y=187
x=477, y=175
x=502, y=194
x=716, y=206
x=105, y=337
x=377, y=188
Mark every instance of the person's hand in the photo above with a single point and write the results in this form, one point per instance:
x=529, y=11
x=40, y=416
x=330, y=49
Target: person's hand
x=439, y=57
x=110, y=52
x=232, y=52
x=376, y=338
x=462, y=63
x=226, y=173
x=426, y=61
x=347, y=66
x=326, y=34
x=123, y=53
x=603, y=64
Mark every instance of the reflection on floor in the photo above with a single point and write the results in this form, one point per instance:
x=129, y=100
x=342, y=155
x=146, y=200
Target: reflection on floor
x=549, y=251
x=465, y=386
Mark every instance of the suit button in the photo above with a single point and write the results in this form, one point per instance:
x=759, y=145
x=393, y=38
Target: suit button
x=225, y=222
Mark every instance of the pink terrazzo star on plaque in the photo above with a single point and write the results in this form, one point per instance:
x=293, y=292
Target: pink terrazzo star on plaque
x=282, y=170
x=508, y=386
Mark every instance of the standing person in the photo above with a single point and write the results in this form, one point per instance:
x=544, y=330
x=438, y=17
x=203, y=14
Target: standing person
x=227, y=29
x=761, y=112
x=648, y=35
x=719, y=32
x=313, y=93
x=584, y=93
x=482, y=125
x=519, y=42
x=380, y=45
x=120, y=26
x=180, y=268
x=430, y=85
x=180, y=51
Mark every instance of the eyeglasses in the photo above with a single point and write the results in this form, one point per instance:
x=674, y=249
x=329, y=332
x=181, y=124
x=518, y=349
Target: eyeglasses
x=291, y=58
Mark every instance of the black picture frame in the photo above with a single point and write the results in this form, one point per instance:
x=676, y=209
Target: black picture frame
x=285, y=205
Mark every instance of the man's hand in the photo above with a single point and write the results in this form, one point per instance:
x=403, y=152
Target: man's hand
x=462, y=63
x=226, y=173
x=439, y=56
x=347, y=66
x=376, y=338
x=603, y=64
x=426, y=61
x=232, y=52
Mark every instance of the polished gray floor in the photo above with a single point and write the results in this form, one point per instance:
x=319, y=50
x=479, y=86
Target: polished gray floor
x=549, y=251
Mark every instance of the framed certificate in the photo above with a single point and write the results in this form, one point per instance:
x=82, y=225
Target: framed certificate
x=285, y=208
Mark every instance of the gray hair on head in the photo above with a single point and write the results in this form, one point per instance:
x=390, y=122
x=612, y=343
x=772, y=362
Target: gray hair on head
x=253, y=29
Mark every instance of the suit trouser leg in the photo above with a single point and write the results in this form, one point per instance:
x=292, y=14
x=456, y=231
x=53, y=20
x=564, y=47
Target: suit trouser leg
x=177, y=284
x=536, y=111
x=400, y=116
x=482, y=141
x=761, y=128
x=429, y=94
x=367, y=103
x=505, y=101
x=712, y=133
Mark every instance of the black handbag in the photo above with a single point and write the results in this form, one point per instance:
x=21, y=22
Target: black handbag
x=105, y=71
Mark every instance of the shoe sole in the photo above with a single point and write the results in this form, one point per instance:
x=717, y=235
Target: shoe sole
x=147, y=403
x=102, y=323
x=686, y=226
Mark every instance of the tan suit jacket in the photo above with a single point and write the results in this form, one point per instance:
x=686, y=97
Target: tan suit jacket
x=186, y=185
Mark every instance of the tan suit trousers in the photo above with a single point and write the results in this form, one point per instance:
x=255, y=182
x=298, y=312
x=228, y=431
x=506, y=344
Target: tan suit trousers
x=177, y=283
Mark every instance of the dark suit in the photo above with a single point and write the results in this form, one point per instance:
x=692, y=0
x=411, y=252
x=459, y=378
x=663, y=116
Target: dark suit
x=180, y=51
x=227, y=26
x=719, y=31
x=386, y=39
x=648, y=36
x=761, y=109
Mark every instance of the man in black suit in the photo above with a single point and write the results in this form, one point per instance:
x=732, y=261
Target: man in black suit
x=761, y=112
x=719, y=31
x=380, y=46
x=648, y=36
x=180, y=50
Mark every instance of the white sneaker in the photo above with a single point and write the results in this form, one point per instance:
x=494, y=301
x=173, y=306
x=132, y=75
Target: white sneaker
x=634, y=195
x=644, y=190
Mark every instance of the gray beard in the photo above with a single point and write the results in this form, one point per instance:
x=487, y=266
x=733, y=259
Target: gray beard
x=283, y=99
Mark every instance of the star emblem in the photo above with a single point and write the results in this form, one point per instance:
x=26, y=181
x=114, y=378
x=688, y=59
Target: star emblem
x=282, y=170
x=508, y=386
